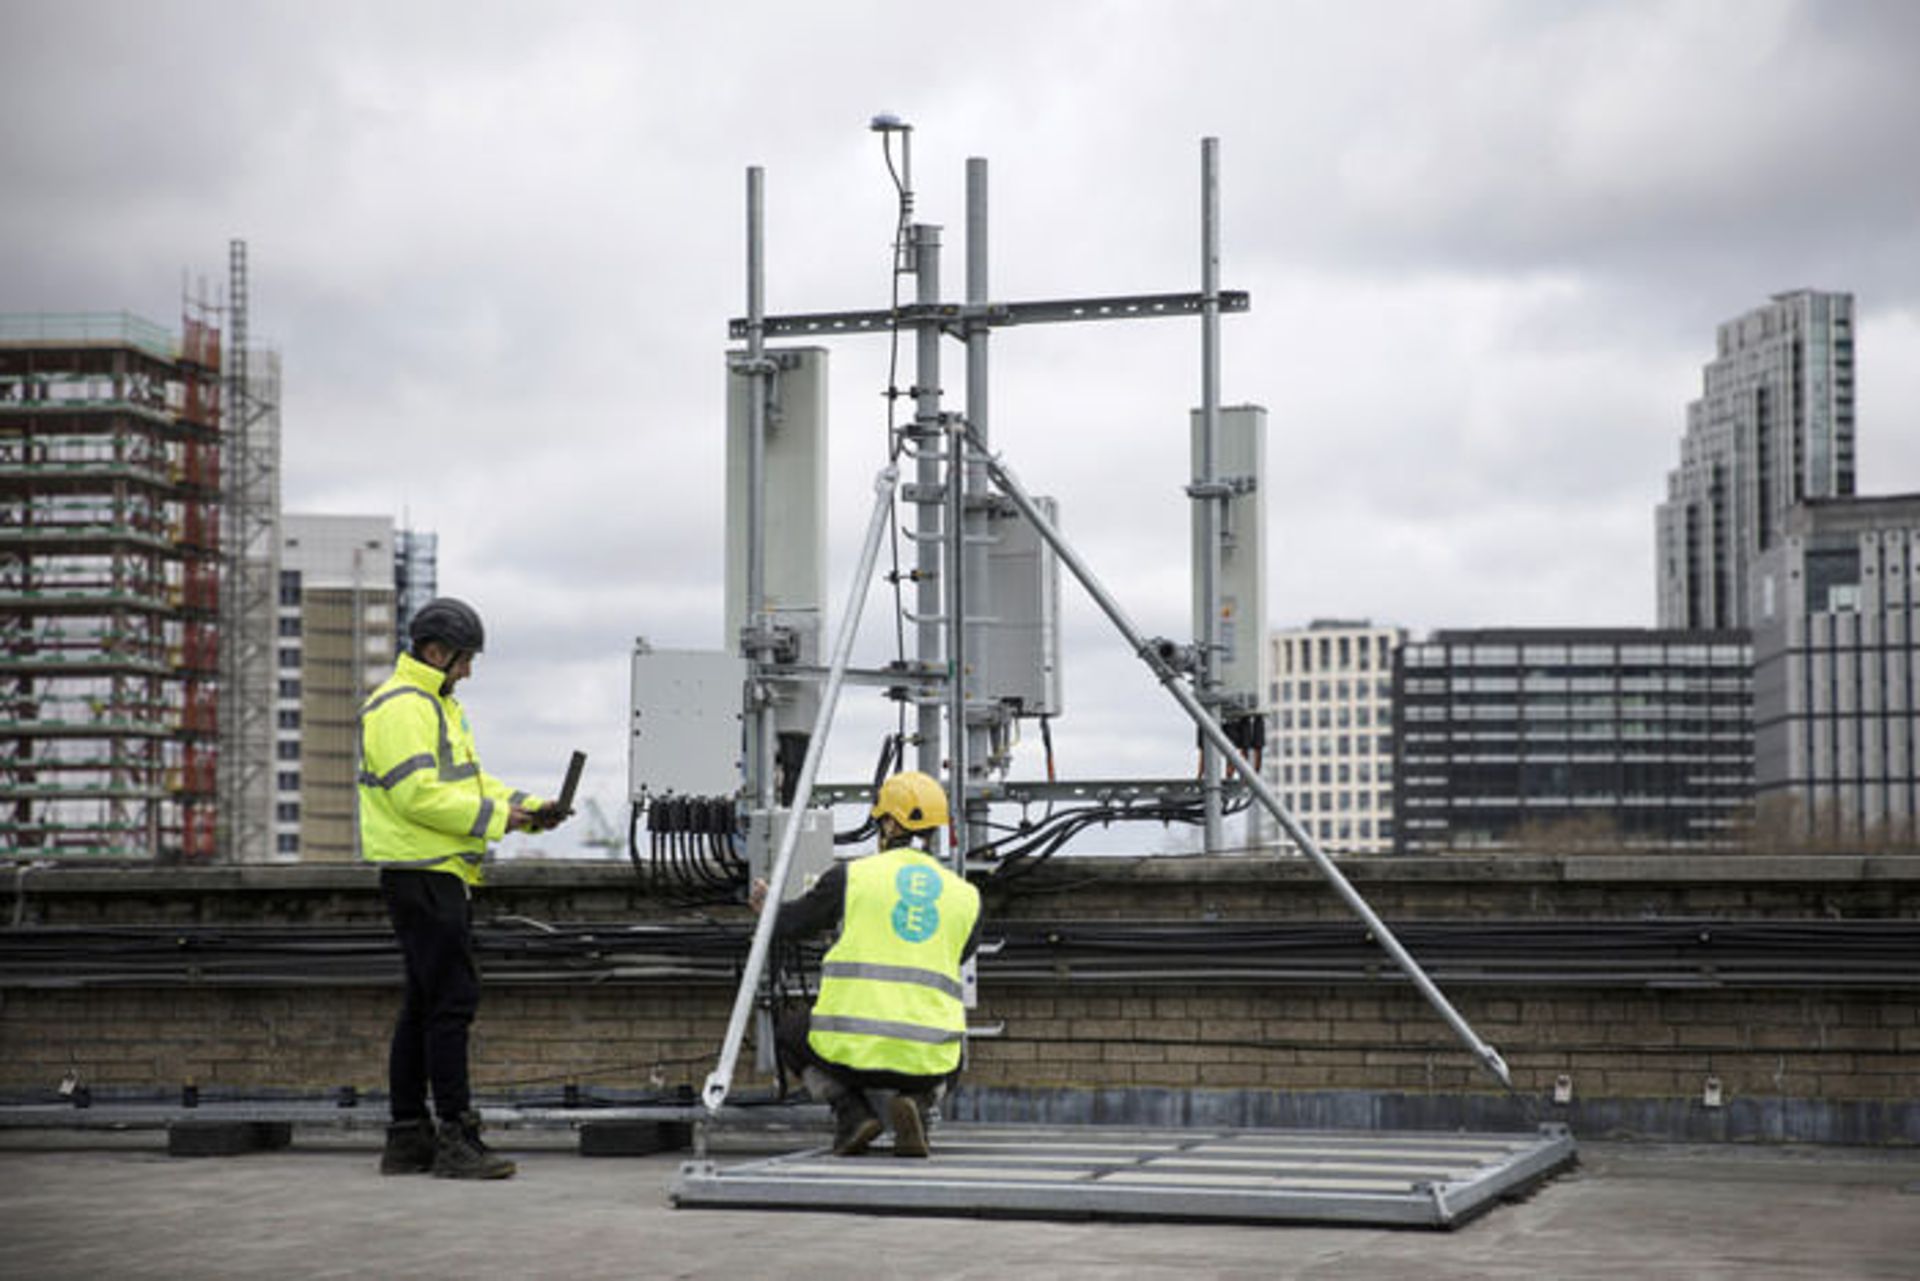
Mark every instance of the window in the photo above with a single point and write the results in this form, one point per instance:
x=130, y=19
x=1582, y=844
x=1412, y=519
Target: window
x=289, y=780
x=289, y=587
x=1346, y=653
x=287, y=811
x=287, y=751
x=290, y=660
x=287, y=842
x=289, y=688
x=290, y=627
x=289, y=718
x=1326, y=772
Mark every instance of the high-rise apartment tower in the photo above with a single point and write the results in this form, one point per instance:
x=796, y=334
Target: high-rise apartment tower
x=1773, y=427
x=1332, y=757
x=336, y=644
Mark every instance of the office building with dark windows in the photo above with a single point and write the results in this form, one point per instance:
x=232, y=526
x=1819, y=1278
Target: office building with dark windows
x=1625, y=737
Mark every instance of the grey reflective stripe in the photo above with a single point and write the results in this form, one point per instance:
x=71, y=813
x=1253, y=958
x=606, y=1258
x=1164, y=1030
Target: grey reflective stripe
x=893, y=974
x=392, y=694
x=486, y=817
x=882, y=1027
x=412, y=765
x=470, y=856
x=455, y=773
x=517, y=798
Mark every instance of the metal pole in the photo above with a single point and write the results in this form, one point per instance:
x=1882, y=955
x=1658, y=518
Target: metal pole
x=720, y=1080
x=928, y=475
x=1208, y=669
x=1149, y=652
x=760, y=739
x=975, y=741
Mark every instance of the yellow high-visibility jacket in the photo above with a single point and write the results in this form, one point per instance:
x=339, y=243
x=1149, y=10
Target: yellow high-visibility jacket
x=424, y=800
x=890, y=993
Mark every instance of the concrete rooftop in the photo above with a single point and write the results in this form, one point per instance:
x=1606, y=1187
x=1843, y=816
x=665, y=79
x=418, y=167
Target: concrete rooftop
x=114, y=1205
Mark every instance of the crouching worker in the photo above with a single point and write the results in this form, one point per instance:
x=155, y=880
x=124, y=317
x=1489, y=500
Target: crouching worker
x=427, y=814
x=890, y=1016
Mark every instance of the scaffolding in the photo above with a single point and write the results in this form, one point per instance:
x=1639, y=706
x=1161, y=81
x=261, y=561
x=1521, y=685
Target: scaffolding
x=252, y=566
x=110, y=587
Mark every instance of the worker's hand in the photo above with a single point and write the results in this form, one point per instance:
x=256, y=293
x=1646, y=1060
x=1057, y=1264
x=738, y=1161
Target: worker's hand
x=519, y=820
x=757, y=896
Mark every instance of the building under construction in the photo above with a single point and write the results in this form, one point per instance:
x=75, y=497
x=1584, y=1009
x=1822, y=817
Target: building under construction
x=110, y=586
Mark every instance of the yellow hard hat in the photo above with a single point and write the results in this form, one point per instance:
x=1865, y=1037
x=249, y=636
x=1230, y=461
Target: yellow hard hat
x=913, y=800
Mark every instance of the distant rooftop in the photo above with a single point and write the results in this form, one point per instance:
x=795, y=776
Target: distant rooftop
x=107, y=328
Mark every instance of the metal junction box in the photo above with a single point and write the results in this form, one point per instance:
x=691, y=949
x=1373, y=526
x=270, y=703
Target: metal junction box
x=685, y=722
x=1023, y=638
x=812, y=855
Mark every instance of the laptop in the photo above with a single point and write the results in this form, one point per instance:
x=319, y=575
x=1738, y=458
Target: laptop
x=564, y=802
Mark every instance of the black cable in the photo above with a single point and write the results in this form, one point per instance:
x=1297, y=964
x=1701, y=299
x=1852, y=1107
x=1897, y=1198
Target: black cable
x=895, y=441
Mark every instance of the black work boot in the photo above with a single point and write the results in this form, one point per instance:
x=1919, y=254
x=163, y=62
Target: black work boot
x=854, y=1124
x=461, y=1155
x=410, y=1147
x=908, y=1116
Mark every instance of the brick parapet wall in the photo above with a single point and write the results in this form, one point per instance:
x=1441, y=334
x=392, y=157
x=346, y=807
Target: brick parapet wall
x=1798, y=1048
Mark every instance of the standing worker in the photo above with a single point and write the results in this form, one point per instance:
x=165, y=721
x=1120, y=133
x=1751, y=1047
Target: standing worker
x=890, y=1015
x=427, y=814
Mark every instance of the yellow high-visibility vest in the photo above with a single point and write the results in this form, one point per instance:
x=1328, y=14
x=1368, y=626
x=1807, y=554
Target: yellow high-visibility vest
x=890, y=994
x=424, y=800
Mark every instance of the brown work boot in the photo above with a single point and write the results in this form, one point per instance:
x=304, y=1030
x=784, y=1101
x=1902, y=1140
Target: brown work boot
x=461, y=1155
x=410, y=1148
x=854, y=1124
x=908, y=1116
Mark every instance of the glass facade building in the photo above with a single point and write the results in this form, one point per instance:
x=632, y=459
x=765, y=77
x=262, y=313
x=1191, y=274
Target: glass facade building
x=1507, y=738
x=1774, y=426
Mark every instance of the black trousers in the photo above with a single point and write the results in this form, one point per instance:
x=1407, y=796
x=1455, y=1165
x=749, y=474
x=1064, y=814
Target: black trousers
x=433, y=921
x=790, y=1028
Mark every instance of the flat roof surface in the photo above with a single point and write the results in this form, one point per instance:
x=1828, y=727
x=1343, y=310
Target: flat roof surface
x=113, y=1205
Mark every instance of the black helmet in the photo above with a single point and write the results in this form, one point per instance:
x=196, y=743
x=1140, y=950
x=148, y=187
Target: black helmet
x=451, y=622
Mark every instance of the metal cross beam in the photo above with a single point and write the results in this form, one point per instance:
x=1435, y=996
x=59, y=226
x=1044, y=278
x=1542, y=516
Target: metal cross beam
x=995, y=315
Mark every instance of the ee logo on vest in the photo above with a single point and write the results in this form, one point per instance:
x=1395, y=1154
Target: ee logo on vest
x=915, y=916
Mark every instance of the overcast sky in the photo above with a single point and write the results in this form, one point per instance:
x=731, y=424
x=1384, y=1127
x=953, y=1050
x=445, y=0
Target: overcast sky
x=497, y=246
